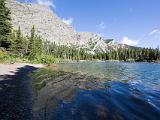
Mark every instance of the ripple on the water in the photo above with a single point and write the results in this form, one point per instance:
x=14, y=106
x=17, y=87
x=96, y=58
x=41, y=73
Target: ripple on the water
x=97, y=91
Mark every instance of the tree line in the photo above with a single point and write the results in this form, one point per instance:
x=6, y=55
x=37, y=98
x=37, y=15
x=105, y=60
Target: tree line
x=132, y=54
x=34, y=47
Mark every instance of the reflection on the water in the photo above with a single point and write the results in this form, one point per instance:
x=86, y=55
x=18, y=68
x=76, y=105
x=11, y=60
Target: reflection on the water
x=52, y=87
x=97, y=91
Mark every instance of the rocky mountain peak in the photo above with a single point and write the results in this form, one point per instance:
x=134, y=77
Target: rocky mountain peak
x=50, y=27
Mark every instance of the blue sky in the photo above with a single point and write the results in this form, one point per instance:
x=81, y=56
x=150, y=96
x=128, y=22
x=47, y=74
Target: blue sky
x=134, y=22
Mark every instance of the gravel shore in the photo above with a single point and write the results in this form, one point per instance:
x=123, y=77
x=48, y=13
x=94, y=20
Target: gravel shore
x=11, y=69
x=15, y=91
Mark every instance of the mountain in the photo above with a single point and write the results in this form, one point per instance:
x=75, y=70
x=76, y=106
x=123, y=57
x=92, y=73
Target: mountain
x=50, y=27
x=47, y=24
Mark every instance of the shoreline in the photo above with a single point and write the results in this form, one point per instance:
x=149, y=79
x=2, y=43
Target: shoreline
x=11, y=69
x=118, y=61
x=15, y=91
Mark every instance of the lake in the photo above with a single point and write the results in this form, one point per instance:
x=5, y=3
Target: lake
x=97, y=91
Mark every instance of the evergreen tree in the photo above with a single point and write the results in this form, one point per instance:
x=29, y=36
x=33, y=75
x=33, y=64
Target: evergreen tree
x=35, y=46
x=5, y=25
x=19, y=44
x=38, y=45
x=31, y=46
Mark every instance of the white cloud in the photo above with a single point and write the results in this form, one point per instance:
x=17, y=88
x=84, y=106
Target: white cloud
x=68, y=21
x=101, y=26
x=155, y=34
x=128, y=41
x=153, y=31
x=47, y=3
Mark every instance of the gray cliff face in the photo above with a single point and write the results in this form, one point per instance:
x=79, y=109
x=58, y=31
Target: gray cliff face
x=47, y=24
x=52, y=28
x=93, y=42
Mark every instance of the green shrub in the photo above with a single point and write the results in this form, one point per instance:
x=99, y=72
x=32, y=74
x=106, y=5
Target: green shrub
x=5, y=57
x=46, y=59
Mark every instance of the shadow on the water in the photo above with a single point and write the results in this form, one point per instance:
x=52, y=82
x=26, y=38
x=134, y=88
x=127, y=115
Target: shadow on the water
x=15, y=95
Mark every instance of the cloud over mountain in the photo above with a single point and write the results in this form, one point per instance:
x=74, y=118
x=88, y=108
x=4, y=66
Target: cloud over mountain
x=128, y=41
